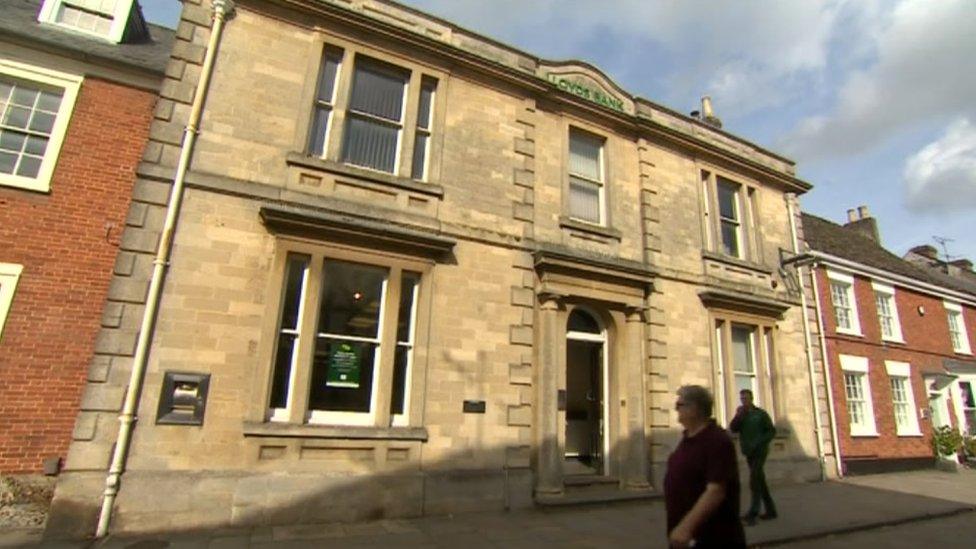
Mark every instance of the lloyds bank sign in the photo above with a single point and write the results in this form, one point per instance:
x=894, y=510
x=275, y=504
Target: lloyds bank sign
x=589, y=94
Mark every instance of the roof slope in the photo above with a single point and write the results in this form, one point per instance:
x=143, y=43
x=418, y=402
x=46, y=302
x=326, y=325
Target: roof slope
x=830, y=238
x=19, y=21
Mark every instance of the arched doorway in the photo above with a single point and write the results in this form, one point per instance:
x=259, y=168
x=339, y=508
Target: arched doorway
x=586, y=436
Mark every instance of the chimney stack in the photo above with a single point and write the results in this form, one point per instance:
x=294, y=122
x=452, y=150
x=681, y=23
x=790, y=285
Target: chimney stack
x=926, y=250
x=861, y=222
x=708, y=115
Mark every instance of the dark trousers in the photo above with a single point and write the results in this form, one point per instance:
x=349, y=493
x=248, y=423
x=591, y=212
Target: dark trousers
x=757, y=485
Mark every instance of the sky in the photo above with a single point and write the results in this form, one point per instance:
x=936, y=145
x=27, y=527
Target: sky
x=874, y=99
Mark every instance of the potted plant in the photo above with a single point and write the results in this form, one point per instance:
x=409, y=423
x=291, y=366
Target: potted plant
x=946, y=444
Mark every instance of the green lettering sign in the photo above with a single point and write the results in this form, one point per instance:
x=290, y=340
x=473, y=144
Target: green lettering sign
x=589, y=94
x=344, y=366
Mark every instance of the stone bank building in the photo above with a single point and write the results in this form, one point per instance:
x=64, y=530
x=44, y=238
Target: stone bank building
x=410, y=270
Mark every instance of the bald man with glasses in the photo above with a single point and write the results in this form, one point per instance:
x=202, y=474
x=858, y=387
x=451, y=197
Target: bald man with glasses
x=701, y=486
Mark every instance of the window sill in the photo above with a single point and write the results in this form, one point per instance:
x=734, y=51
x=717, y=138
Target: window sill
x=305, y=161
x=893, y=340
x=967, y=353
x=567, y=222
x=290, y=430
x=865, y=434
x=913, y=434
x=737, y=262
x=851, y=333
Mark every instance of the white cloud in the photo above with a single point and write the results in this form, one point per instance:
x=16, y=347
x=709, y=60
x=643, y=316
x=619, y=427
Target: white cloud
x=922, y=72
x=747, y=55
x=942, y=175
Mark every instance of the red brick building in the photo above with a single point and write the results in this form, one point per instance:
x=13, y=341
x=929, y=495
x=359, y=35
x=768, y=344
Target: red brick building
x=899, y=346
x=78, y=85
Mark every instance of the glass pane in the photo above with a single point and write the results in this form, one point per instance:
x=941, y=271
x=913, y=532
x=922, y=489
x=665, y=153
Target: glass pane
x=294, y=285
x=377, y=89
x=727, y=199
x=968, y=399
x=42, y=122
x=320, y=124
x=5, y=89
x=419, y=156
x=730, y=238
x=342, y=375
x=744, y=382
x=282, y=371
x=584, y=155
x=370, y=144
x=327, y=75
x=400, y=361
x=16, y=117
x=29, y=166
x=36, y=145
x=49, y=101
x=24, y=97
x=581, y=321
x=11, y=140
x=743, y=359
x=426, y=98
x=408, y=285
x=7, y=162
x=584, y=200
x=352, y=295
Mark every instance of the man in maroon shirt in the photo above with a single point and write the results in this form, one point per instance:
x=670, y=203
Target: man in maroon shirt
x=701, y=486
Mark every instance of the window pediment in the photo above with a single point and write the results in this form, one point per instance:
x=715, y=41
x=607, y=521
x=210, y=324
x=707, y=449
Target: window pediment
x=319, y=223
x=722, y=299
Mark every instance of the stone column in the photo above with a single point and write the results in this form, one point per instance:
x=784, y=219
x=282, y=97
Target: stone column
x=637, y=465
x=550, y=473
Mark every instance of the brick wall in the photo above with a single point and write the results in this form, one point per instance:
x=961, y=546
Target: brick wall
x=67, y=241
x=926, y=345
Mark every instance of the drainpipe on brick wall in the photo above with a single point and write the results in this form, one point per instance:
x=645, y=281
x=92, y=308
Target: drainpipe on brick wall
x=827, y=381
x=807, y=341
x=222, y=8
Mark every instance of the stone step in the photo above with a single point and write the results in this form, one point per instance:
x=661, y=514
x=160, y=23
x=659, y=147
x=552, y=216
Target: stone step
x=600, y=492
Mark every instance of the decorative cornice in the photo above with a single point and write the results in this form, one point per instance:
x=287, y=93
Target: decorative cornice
x=716, y=298
x=298, y=221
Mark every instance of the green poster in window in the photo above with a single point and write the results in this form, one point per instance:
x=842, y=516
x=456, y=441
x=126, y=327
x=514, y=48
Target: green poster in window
x=344, y=366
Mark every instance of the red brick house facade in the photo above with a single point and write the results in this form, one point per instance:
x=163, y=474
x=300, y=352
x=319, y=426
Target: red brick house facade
x=897, y=369
x=76, y=105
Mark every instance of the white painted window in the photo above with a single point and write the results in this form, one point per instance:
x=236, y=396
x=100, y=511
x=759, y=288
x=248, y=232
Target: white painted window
x=884, y=301
x=957, y=328
x=425, y=120
x=730, y=217
x=967, y=405
x=744, y=360
x=348, y=343
x=101, y=18
x=35, y=107
x=376, y=109
x=857, y=390
x=587, y=193
x=844, y=303
x=902, y=398
x=9, y=275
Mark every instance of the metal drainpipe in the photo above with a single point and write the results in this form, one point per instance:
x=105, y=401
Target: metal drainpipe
x=221, y=8
x=830, y=390
x=808, y=343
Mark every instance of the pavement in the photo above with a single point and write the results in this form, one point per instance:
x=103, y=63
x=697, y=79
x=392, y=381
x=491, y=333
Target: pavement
x=806, y=512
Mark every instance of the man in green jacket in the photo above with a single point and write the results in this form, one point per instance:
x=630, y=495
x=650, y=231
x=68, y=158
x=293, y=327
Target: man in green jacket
x=756, y=431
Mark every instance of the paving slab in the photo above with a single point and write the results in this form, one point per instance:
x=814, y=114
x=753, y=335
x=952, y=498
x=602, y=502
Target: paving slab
x=807, y=512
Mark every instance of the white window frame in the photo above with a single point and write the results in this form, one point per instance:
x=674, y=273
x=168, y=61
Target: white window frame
x=847, y=280
x=49, y=14
x=903, y=371
x=600, y=182
x=962, y=423
x=858, y=366
x=69, y=84
x=9, y=276
x=738, y=220
x=887, y=294
x=954, y=310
